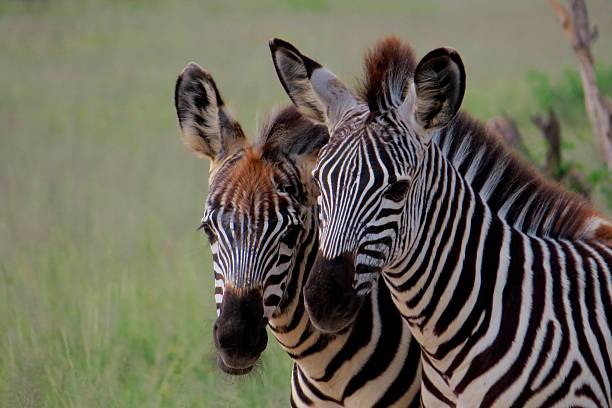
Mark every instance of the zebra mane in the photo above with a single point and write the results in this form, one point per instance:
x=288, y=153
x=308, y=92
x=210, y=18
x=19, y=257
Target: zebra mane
x=388, y=68
x=514, y=189
x=285, y=130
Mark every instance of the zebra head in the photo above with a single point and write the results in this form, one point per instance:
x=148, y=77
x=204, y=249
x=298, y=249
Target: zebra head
x=368, y=172
x=261, y=204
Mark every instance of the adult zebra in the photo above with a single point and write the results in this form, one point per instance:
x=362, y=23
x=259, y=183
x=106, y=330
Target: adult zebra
x=261, y=220
x=503, y=278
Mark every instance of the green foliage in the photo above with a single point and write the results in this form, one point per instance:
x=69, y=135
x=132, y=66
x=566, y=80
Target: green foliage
x=565, y=94
x=601, y=180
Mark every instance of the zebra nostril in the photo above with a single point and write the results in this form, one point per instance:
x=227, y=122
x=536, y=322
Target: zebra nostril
x=226, y=342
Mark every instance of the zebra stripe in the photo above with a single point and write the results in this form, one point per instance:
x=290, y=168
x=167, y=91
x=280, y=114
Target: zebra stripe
x=503, y=278
x=375, y=362
x=261, y=221
x=505, y=315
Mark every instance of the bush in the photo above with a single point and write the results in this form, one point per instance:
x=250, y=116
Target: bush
x=565, y=95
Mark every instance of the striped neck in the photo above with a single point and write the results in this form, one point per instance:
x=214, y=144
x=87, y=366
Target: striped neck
x=291, y=305
x=338, y=365
x=513, y=189
x=481, y=295
x=443, y=285
x=291, y=324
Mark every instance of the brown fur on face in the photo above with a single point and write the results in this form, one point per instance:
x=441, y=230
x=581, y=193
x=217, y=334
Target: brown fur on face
x=248, y=182
x=251, y=179
x=273, y=172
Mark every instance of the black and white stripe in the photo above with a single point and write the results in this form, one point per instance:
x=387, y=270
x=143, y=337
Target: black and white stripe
x=262, y=224
x=374, y=362
x=505, y=281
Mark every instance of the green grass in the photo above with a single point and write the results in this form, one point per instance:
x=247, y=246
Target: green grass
x=105, y=286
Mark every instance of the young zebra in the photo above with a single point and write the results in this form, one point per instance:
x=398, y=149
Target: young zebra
x=261, y=221
x=504, y=279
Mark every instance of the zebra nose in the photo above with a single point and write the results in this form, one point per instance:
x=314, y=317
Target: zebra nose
x=329, y=295
x=240, y=331
x=239, y=337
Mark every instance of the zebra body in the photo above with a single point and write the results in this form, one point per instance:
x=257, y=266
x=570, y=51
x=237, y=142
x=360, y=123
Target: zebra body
x=262, y=224
x=504, y=280
x=515, y=319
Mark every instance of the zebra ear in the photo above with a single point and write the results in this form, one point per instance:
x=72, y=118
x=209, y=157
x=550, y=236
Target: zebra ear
x=438, y=89
x=316, y=91
x=288, y=132
x=207, y=126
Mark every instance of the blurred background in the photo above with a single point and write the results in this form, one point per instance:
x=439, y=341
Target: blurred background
x=106, y=292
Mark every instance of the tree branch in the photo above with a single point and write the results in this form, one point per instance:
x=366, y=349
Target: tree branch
x=550, y=128
x=575, y=23
x=551, y=131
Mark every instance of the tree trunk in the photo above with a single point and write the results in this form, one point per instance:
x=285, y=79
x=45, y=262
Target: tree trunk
x=575, y=22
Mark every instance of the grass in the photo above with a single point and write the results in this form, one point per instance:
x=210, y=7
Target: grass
x=105, y=287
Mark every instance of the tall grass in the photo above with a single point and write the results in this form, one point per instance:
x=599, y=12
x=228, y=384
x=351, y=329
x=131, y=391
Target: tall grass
x=105, y=286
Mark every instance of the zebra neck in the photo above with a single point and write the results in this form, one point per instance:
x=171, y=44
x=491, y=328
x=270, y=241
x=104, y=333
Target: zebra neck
x=513, y=190
x=290, y=324
x=455, y=241
x=311, y=349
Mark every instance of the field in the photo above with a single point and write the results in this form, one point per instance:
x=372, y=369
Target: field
x=105, y=285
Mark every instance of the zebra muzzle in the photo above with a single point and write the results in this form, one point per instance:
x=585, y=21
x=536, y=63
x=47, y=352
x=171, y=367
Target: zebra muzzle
x=330, y=298
x=240, y=332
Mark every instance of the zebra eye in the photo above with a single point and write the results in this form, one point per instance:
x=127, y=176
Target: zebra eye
x=291, y=235
x=290, y=190
x=397, y=191
x=205, y=226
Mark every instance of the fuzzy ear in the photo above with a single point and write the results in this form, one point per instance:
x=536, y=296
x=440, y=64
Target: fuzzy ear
x=287, y=132
x=207, y=126
x=316, y=91
x=439, y=85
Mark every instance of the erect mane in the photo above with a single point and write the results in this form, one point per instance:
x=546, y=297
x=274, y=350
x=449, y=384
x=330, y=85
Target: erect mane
x=514, y=189
x=388, y=67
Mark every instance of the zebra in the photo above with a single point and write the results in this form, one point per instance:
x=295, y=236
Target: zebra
x=261, y=221
x=503, y=278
